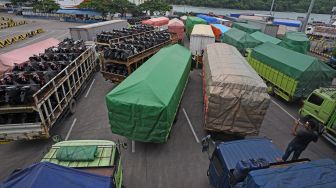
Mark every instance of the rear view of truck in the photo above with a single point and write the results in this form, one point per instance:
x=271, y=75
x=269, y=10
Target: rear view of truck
x=254, y=163
x=37, y=93
x=235, y=97
x=101, y=157
x=288, y=74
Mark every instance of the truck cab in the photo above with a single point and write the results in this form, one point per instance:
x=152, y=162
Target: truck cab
x=226, y=156
x=321, y=106
x=100, y=157
x=254, y=163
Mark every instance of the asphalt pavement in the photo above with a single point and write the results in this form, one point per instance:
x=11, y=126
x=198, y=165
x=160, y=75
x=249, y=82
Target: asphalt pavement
x=177, y=163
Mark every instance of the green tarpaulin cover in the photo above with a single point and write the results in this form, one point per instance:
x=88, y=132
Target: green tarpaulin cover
x=239, y=39
x=307, y=70
x=296, y=41
x=265, y=38
x=143, y=107
x=76, y=153
x=246, y=27
x=191, y=22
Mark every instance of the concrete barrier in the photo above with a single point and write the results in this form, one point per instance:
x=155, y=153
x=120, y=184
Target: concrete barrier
x=16, y=38
x=6, y=22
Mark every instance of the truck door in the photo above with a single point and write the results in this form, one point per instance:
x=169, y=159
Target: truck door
x=216, y=172
x=318, y=107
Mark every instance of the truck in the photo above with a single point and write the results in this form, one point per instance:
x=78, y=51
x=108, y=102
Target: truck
x=75, y=164
x=110, y=67
x=235, y=97
x=289, y=74
x=101, y=157
x=50, y=103
x=144, y=106
x=255, y=163
x=320, y=106
x=89, y=32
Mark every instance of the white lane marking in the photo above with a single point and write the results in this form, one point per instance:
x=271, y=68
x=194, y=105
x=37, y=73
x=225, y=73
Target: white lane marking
x=69, y=132
x=87, y=93
x=191, y=127
x=290, y=115
x=133, y=146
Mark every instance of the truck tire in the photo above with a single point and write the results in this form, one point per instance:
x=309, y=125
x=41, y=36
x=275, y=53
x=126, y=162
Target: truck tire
x=72, y=106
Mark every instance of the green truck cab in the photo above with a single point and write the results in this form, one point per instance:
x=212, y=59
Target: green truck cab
x=321, y=106
x=100, y=157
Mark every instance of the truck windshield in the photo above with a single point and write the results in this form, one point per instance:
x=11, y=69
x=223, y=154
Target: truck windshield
x=315, y=99
x=217, y=164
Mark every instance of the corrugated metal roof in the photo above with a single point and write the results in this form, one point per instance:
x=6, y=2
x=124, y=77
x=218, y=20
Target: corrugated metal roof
x=202, y=30
x=78, y=12
x=99, y=24
x=235, y=151
x=286, y=22
x=105, y=153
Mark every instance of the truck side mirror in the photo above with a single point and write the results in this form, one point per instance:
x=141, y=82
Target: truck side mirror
x=205, y=143
x=56, y=138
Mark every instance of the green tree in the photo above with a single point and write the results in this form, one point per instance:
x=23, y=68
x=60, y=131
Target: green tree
x=102, y=6
x=45, y=5
x=155, y=6
x=121, y=6
x=17, y=2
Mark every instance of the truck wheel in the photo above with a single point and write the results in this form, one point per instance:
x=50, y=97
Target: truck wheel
x=72, y=106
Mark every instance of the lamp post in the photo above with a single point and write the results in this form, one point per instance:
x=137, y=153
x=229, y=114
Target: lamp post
x=304, y=25
x=272, y=7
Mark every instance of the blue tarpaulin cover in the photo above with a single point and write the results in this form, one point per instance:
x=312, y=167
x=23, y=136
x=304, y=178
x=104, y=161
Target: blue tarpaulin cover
x=221, y=27
x=320, y=173
x=208, y=19
x=50, y=175
x=78, y=12
x=253, y=148
x=290, y=23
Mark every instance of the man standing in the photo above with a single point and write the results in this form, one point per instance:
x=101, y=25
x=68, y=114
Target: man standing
x=301, y=140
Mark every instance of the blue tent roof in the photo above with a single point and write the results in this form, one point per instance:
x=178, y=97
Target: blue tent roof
x=50, y=175
x=78, y=12
x=236, y=151
x=290, y=23
x=320, y=173
x=221, y=27
x=208, y=19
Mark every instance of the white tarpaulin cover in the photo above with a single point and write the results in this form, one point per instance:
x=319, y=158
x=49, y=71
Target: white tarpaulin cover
x=235, y=96
x=201, y=36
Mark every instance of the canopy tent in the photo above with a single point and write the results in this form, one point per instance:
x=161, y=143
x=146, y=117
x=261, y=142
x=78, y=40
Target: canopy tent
x=45, y=174
x=219, y=30
x=319, y=173
x=262, y=37
x=78, y=12
x=239, y=39
x=308, y=71
x=176, y=26
x=160, y=21
x=246, y=27
x=191, y=22
x=286, y=22
x=22, y=55
x=143, y=107
x=208, y=19
x=296, y=41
